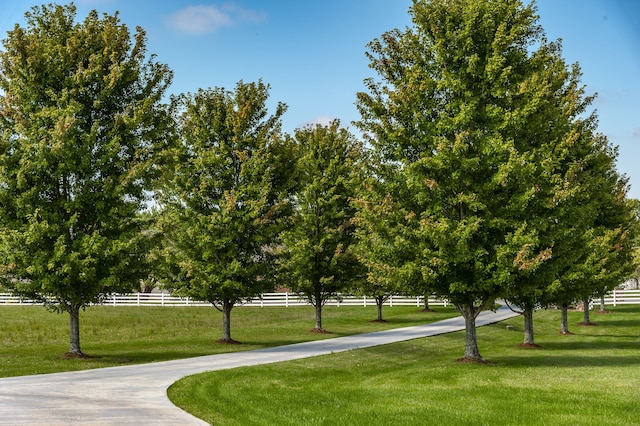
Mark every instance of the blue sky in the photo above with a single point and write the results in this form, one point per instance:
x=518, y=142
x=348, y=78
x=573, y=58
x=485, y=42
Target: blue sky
x=312, y=52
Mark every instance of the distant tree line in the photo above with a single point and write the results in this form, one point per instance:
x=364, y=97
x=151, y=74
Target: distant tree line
x=480, y=174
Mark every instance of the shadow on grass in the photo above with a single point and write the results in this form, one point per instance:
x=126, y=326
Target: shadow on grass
x=591, y=350
x=618, y=322
x=620, y=343
x=127, y=357
x=139, y=358
x=255, y=345
x=573, y=361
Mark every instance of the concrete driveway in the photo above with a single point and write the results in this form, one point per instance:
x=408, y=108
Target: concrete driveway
x=137, y=394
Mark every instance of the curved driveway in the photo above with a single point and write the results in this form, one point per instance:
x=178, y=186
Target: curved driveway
x=137, y=394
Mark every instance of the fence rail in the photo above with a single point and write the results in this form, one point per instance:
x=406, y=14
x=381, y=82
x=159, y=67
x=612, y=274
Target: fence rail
x=617, y=297
x=266, y=299
x=622, y=297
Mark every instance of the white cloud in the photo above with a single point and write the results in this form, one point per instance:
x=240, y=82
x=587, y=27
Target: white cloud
x=241, y=14
x=93, y=2
x=208, y=19
x=323, y=120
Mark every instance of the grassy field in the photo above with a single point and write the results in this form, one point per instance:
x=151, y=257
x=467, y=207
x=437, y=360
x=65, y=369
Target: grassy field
x=33, y=340
x=589, y=378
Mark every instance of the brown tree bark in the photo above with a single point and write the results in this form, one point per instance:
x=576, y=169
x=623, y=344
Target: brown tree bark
x=529, y=339
x=471, y=351
x=564, y=321
x=318, y=307
x=226, y=322
x=602, y=307
x=74, y=330
x=379, y=303
x=426, y=304
x=586, y=319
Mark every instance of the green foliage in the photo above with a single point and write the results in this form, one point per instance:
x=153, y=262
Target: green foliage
x=593, y=373
x=316, y=245
x=81, y=121
x=226, y=197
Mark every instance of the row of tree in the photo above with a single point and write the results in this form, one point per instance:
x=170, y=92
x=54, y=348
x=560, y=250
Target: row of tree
x=481, y=175
x=500, y=184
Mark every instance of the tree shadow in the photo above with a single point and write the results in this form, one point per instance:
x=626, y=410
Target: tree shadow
x=621, y=342
x=577, y=361
x=620, y=322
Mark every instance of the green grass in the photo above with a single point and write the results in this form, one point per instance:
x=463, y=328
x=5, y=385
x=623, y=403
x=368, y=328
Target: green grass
x=33, y=340
x=589, y=378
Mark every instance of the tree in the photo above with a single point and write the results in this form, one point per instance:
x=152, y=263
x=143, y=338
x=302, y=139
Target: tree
x=317, y=245
x=457, y=107
x=591, y=247
x=595, y=252
x=386, y=241
x=225, y=199
x=635, y=275
x=82, y=123
x=565, y=183
x=377, y=221
x=609, y=249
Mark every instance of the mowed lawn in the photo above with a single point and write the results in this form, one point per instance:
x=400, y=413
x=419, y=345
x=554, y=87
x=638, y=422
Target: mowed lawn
x=589, y=378
x=34, y=340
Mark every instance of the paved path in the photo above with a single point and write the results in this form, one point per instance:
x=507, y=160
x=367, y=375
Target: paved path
x=136, y=394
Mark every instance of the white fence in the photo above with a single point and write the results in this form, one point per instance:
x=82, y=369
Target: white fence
x=267, y=299
x=615, y=298
x=621, y=297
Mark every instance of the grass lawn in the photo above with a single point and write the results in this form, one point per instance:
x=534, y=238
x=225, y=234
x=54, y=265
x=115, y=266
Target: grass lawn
x=34, y=340
x=589, y=378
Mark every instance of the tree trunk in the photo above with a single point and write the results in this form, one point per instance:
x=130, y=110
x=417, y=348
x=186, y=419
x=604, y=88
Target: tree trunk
x=564, y=322
x=226, y=321
x=379, y=303
x=602, y=308
x=318, y=307
x=471, y=351
x=528, y=326
x=585, y=310
x=426, y=304
x=74, y=330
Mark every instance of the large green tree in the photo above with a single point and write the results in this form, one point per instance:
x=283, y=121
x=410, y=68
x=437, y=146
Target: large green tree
x=81, y=119
x=316, y=248
x=222, y=208
x=461, y=109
